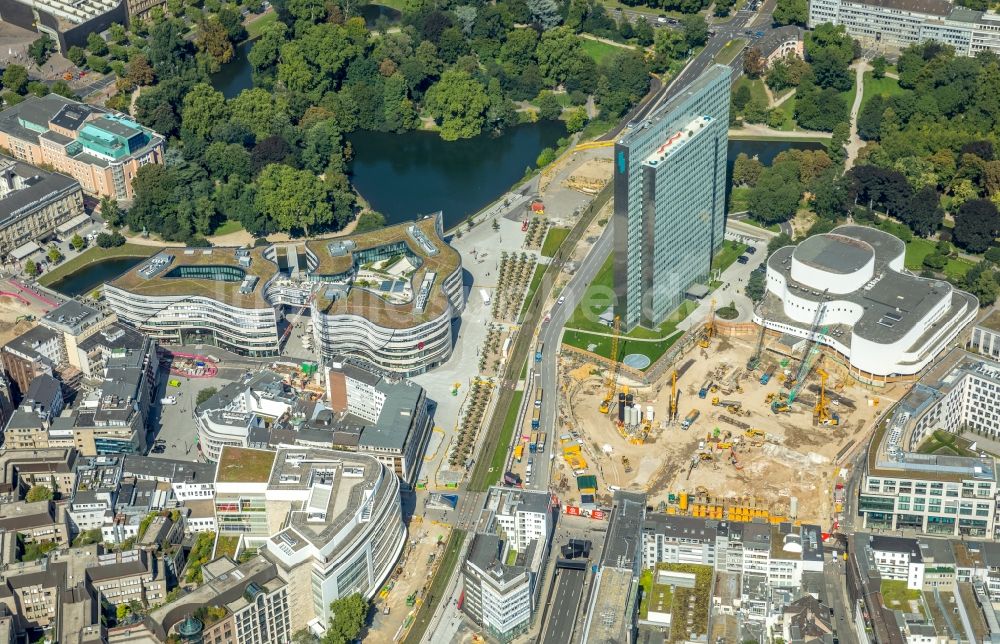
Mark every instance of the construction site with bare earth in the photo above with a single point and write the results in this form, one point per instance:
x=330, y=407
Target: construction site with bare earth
x=740, y=427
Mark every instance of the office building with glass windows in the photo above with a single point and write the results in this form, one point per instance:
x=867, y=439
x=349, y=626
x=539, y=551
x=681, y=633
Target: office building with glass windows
x=931, y=493
x=331, y=520
x=670, y=193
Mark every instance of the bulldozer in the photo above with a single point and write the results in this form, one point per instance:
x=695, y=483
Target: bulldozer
x=705, y=457
x=754, y=433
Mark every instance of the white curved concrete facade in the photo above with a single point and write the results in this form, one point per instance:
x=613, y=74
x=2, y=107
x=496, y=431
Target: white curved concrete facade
x=850, y=290
x=403, y=349
x=177, y=319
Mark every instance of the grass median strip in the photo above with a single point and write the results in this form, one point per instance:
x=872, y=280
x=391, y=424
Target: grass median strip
x=92, y=255
x=500, y=449
x=438, y=586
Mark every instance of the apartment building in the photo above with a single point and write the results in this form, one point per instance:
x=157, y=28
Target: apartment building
x=893, y=24
x=779, y=554
x=28, y=426
x=34, y=204
x=36, y=522
x=670, y=197
x=36, y=352
x=898, y=558
x=506, y=557
x=129, y=576
x=188, y=481
x=333, y=520
x=944, y=495
x=22, y=469
x=249, y=603
x=985, y=339
x=100, y=148
x=614, y=600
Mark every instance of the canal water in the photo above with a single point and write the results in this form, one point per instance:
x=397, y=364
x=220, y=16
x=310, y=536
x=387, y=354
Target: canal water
x=93, y=275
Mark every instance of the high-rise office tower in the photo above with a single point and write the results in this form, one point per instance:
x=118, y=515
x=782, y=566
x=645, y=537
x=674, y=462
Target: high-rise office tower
x=670, y=200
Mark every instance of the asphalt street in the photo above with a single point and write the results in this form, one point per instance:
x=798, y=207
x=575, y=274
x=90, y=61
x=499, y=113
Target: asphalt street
x=562, y=611
x=551, y=335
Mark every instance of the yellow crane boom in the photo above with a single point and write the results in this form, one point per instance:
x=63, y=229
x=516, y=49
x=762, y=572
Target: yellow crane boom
x=709, y=331
x=611, y=380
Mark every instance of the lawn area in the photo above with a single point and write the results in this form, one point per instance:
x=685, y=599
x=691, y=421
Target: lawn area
x=756, y=87
x=226, y=546
x=738, y=200
x=500, y=449
x=95, y=254
x=255, y=27
x=652, y=350
x=788, y=109
x=917, y=249
x=727, y=255
x=896, y=596
x=774, y=228
x=536, y=279
x=599, y=50
x=730, y=51
x=885, y=86
x=945, y=444
x=228, y=226
x=430, y=601
x=552, y=241
x=646, y=583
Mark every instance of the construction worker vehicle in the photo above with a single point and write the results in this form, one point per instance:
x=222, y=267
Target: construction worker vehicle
x=690, y=418
x=611, y=380
x=753, y=432
x=705, y=457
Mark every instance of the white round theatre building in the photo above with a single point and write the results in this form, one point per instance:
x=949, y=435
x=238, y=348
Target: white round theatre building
x=849, y=289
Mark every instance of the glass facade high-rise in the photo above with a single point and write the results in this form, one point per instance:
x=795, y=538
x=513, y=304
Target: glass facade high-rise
x=670, y=194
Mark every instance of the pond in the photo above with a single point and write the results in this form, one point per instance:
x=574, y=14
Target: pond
x=93, y=275
x=416, y=173
x=765, y=151
x=236, y=75
x=372, y=12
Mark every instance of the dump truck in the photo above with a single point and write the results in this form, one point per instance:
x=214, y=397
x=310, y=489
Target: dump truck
x=725, y=403
x=766, y=376
x=533, y=444
x=536, y=418
x=703, y=392
x=690, y=418
x=540, y=443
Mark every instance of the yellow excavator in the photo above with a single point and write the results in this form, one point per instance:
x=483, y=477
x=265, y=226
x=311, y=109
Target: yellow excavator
x=706, y=336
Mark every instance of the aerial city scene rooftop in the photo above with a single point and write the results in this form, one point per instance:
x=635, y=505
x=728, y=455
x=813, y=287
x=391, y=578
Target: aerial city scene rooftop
x=529, y=321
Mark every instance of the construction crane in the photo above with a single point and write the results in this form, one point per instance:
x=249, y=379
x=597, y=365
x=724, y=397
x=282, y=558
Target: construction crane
x=822, y=409
x=611, y=379
x=808, y=359
x=754, y=361
x=706, y=336
x=673, y=395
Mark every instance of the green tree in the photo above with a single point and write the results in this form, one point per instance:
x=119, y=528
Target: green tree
x=746, y=170
x=296, y=200
x=644, y=34
x=775, y=198
x=204, y=394
x=213, y=40
x=458, y=102
x=267, y=47
x=548, y=105
x=96, y=44
x=695, y=30
x=545, y=157
x=77, y=242
x=41, y=49
x=38, y=493
x=545, y=13
x=557, y=54
x=755, y=286
x=981, y=281
x=348, y=619
x=77, y=56
x=98, y=64
x=203, y=108
x=977, y=225
x=791, y=12
x=259, y=111
x=54, y=255
x=879, y=65
x=15, y=78
x=576, y=119
x=400, y=112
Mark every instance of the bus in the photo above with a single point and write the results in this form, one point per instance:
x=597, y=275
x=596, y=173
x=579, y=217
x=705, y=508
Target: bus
x=538, y=351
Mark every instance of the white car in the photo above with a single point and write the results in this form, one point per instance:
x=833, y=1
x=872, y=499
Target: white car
x=661, y=20
x=561, y=300
x=169, y=400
